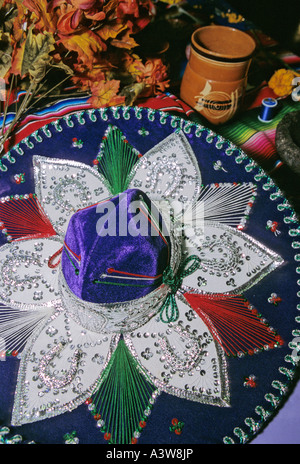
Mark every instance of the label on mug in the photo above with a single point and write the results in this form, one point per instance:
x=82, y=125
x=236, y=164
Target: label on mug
x=217, y=104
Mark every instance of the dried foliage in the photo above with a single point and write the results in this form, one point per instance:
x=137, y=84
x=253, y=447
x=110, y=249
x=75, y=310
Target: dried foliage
x=91, y=42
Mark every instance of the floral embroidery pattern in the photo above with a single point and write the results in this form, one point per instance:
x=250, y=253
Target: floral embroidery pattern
x=152, y=350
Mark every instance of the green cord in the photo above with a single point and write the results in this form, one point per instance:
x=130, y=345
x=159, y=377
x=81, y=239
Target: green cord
x=169, y=310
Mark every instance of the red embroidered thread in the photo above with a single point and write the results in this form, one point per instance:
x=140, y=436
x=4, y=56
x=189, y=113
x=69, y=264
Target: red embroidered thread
x=72, y=252
x=233, y=324
x=111, y=270
x=153, y=225
x=25, y=218
x=51, y=262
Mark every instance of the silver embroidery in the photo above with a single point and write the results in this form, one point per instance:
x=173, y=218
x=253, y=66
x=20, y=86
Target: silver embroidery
x=181, y=359
x=52, y=380
x=57, y=380
x=113, y=317
x=64, y=186
x=231, y=261
x=25, y=278
x=169, y=171
x=191, y=356
x=123, y=316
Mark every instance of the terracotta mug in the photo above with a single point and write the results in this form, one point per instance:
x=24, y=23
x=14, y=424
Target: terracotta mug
x=215, y=77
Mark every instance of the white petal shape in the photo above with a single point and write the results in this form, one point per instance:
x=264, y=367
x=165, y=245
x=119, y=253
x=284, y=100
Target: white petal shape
x=169, y=172
x=231, y=261
x=26, y=280
x=182, y=358
x=225, y=203
x=59, y=369
x=17, y=325
x=64, y=186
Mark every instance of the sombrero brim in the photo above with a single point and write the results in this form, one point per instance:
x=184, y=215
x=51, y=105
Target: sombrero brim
x=257, y=381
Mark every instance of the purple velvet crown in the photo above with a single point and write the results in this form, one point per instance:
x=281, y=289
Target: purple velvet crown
x=116, y=250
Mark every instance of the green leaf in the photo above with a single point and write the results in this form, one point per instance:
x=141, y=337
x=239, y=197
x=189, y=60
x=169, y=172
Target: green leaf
x=5, y=54
x=36, y=55
x=132, y=92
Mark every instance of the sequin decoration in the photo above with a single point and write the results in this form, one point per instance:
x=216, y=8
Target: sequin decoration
x=77, y=143
x=177, y=426
x=71, y=438
x=62, y=188
x=19, y=178
x=51, y=380
x=274, y=299
x=250, y=381
x=76, y=352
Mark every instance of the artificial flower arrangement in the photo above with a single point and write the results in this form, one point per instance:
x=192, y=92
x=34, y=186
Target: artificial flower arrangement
x=87, y=42
x=282, y=82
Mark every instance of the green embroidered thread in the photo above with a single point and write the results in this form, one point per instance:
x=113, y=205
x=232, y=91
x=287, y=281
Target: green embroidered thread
x=241, y=435
x=19, y=150
x=116, y=159
x=91, y=114
x=263, y=413
x=71, y=438
x=68, y=120
x=75, y=267
x=280, y=386
x=274, y=400
x=123, y=397
x=169, y=310
x=3, y=167
x=253, y=426
x=120, y=284
x=80, y=117
x=287, y=372
x=8, y=156
x=46, y=131
x=228, y=441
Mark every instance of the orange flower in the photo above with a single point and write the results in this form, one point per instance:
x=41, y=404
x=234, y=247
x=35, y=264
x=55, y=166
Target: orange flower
x=140, y=10
x=128, y=7
x=282, y=82
x=92, y=41
x=153, y=74
x=133, y=64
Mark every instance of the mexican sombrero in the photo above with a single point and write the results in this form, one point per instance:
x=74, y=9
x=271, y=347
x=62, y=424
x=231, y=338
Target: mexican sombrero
x=148, y=284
